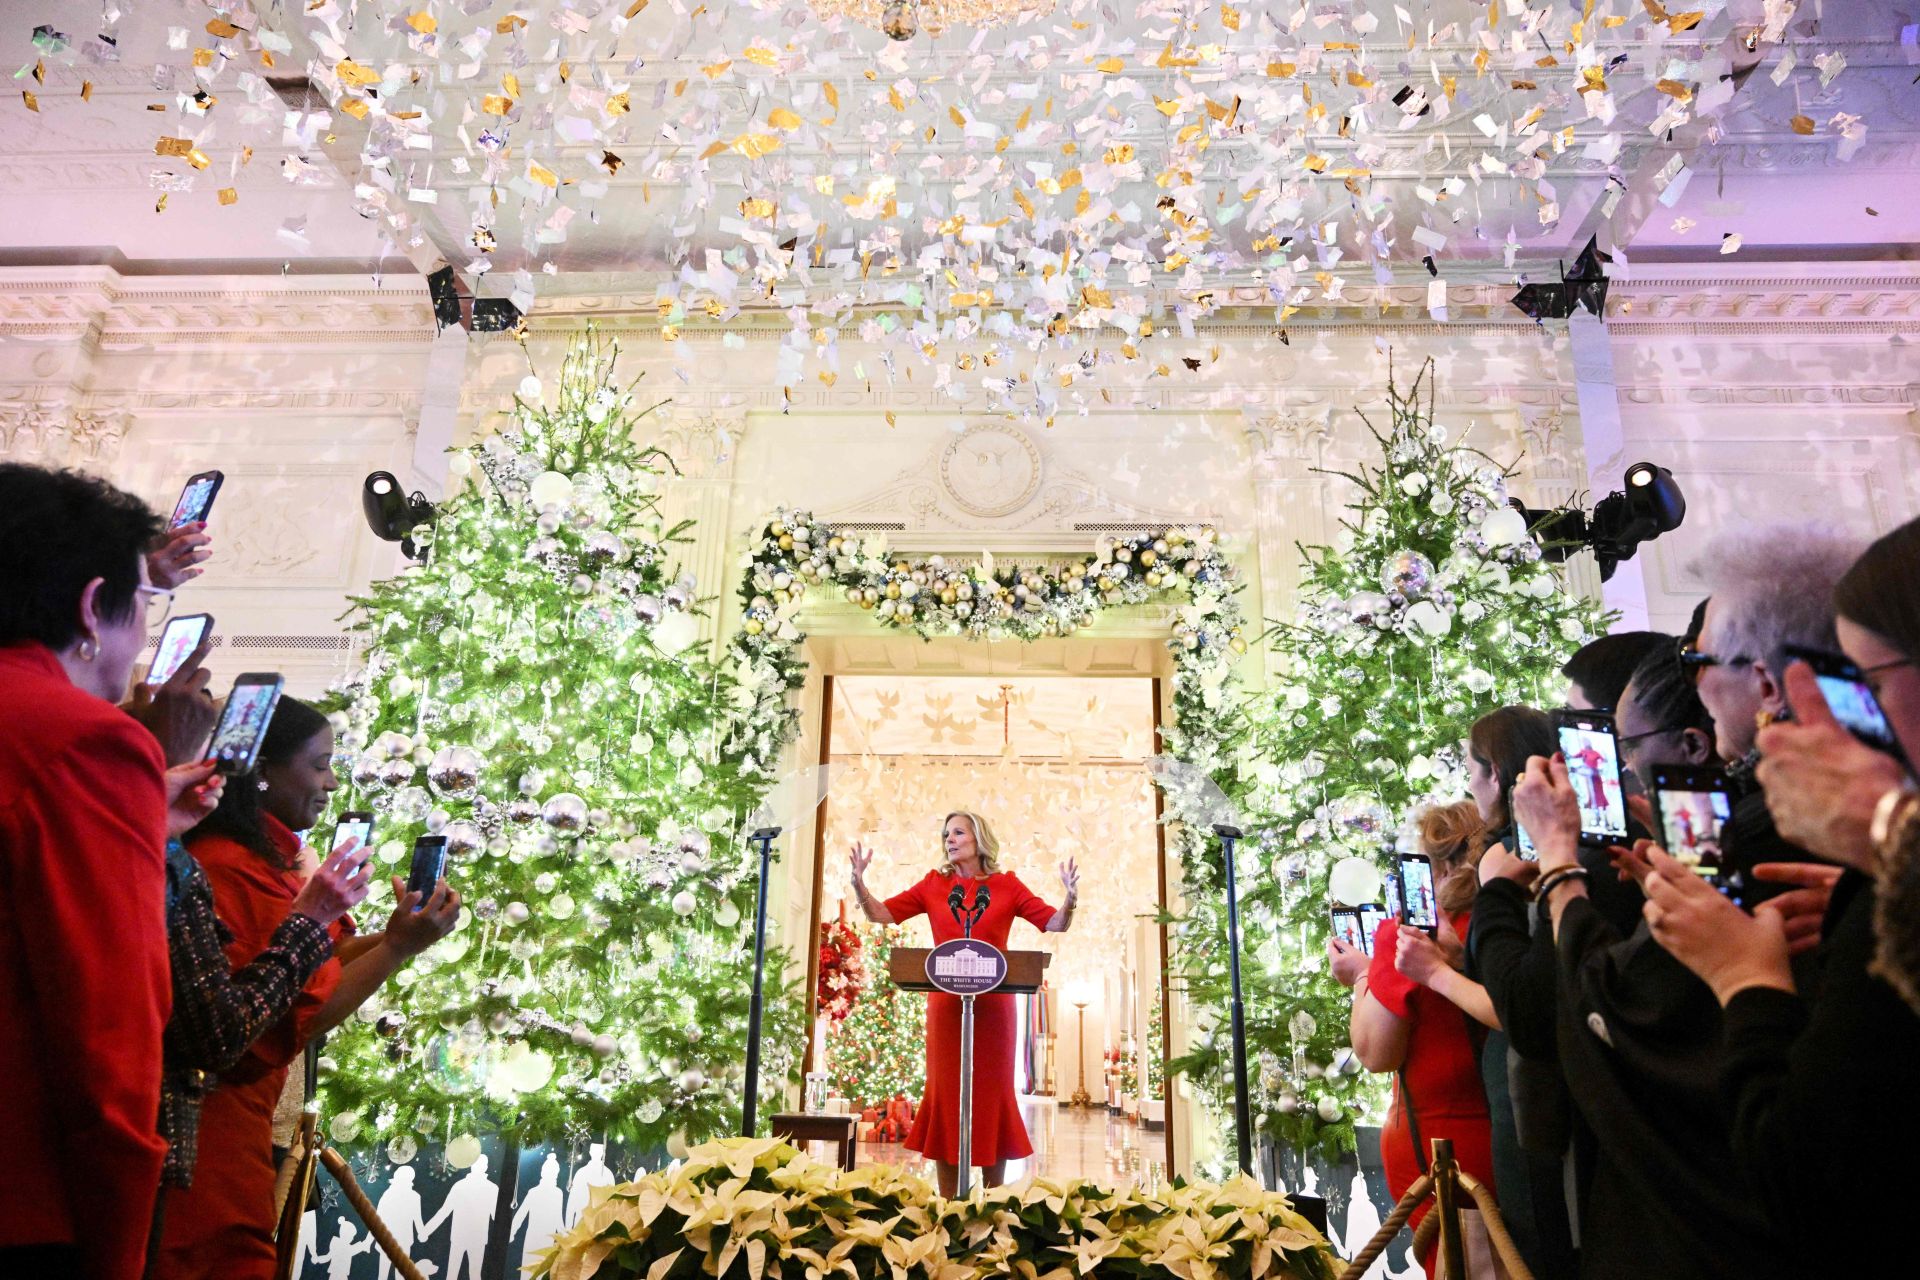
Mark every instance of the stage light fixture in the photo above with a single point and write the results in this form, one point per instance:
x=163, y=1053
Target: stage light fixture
x=1651, y=504
x=392, y=516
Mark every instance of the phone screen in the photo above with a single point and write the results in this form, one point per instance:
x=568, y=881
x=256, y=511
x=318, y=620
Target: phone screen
x=1694, y=807
x=1371, y=914
x=1523, y=847
x=177, y=642
x=353, y=826
x=1593, y=767
x=429, y=865
x=1419, y=907
x=1853, y=705
x=196, y=499
x=236, y=739
x=1393, y=909
x=1346, y=927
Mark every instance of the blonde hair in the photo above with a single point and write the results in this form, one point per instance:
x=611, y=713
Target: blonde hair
x=985, y=844
x=1454, y=836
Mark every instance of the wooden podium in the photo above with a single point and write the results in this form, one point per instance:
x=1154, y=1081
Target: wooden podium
x=1024, y=972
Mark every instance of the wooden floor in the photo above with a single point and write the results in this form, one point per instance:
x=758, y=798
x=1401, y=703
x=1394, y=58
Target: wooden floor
x=1067, y=1143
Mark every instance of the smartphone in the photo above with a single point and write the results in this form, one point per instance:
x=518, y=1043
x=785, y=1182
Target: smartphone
x=1523, y=847
x=1419, y=907
x=1693, y=805
x=1347, y=928
x=1371, y=914
x=1392, y=882
x=178, y=639
x=1850, y=698
x=1592, y=752
x=357, y=825
x=429, y=865
x=244, y=720
x=196, y=498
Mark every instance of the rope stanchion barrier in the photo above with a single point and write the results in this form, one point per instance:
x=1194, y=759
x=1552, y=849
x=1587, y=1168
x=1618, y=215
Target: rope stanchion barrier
x=1443, y=1221
x=1388, y=1229
x=337, y=1166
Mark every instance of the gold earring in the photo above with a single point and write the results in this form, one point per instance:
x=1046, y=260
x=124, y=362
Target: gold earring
x=89, y=649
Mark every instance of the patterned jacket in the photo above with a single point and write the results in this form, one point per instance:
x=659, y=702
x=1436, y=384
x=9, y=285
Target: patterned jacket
x=218, y=1011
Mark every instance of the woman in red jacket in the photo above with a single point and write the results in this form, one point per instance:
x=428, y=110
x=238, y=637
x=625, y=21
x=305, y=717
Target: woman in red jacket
x=84, y=991
x=223, y=1227
x=1409, y=1018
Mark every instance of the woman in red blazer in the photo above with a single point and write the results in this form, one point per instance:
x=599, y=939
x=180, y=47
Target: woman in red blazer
x=223, y=1226
x=84, y=991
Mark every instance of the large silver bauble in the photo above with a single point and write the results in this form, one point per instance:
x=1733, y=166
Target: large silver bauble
x=565, y=813
x=1407, y=572
x=455, y=772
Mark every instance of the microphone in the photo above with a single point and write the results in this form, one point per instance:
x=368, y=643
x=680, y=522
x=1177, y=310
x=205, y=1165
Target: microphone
x=955, y=897
x=981, y=898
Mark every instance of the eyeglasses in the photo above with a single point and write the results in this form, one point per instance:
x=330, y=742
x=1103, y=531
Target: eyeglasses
x=1693, y=661
x=1652, y=733
x=159, y=604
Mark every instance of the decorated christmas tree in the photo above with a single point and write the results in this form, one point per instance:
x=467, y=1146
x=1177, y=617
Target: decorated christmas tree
x=532, y=693
x=879, y=1049
x=1432, y=607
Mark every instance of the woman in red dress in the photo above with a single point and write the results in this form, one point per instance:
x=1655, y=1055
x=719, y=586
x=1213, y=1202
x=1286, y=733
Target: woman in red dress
x=222, y=1228
x=972, y=862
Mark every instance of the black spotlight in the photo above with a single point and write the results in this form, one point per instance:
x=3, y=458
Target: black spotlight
x=1584, y=286
x=1650, y=505
x=392, y=516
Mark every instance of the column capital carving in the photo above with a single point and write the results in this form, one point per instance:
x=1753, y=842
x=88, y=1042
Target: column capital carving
x=1291, y=441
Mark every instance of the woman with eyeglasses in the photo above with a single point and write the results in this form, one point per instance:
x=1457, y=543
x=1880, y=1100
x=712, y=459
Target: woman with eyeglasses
x=1818, y=1084
x=84, y=989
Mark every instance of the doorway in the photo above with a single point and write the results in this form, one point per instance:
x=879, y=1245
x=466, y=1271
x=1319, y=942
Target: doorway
x=1056, y=764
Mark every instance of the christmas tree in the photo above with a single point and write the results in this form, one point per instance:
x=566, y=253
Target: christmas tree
x=879, y=1049
x=531, y=692
x=1432, y=607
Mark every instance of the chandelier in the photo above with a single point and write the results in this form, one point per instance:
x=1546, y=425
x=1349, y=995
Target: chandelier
x=903, y=19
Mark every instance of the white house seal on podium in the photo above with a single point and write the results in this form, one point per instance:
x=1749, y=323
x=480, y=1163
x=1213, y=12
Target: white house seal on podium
x=966, y=967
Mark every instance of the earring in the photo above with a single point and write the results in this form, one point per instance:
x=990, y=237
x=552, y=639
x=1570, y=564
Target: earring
x=89, y=648
x=262, y=784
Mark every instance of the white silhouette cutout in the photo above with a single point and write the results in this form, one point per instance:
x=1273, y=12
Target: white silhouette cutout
x=308, y=1249
x=339, y=1259
x=543, y=1212
x=594, y=1173
x=470, y=1202
x=401, y=1210
x=1363, y=1220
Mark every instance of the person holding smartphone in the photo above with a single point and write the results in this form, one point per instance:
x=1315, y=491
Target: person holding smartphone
x=84, y=988
x=1404, y=1019
x=223, y=1225
x=1817, y=1082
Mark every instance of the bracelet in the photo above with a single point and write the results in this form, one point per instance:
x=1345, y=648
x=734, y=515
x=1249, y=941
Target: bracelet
x=1554, y=879
x=1888, y=818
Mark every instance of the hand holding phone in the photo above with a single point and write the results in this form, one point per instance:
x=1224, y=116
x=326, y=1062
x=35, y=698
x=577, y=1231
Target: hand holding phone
x=338, y=885
x=1693, y=806
x=356, y=825
x=1346, y=927
x=178, y=639
x=244, y=720
x=428, y=869
x=1850, y=698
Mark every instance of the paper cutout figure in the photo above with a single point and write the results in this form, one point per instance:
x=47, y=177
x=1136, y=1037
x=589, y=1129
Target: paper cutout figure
x=543, y=1212
x=1363, y=1220
x=470, y=1203
x=338, y=1260
x=400, y=1208
x=308, y=1249
x=594, y=1173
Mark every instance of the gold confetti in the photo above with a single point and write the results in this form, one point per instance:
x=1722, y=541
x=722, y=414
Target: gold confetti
x=203, y=57
x=86, y=91
x=619, y=104
x=1229, y=17
x=1121, y=154
x=509, y=24
x=1675, y=90
x=160, y=205
x=351, y=72
x=1280, y=70
x=1111, y=66
x=423, y=22
x=610, y=162
x=39, y=71
x=33, y=103
x=221, y=29
x=229, y=196
x=832, y=95
x=782, y=118
x=1802, y=125
x=542, y=175
x=761, y=56
x=173, y=147
x=756, y=207
x=714, y=70
x=495, y=104
x=1315, y=163
x=511, y=83
x=895, y=100
x=355, y=107
x=636, y=7
x=891, y=420
x=198, y=158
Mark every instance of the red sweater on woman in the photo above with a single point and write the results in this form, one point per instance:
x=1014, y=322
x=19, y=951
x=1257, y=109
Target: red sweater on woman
x=84, y=985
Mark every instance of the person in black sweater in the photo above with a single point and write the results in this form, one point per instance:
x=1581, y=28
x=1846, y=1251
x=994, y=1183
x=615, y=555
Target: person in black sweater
x=1817, y=1087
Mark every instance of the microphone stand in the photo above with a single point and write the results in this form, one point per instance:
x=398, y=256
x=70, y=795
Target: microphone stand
x=964, y=1183
x=764, y=839
x=1242, y=1113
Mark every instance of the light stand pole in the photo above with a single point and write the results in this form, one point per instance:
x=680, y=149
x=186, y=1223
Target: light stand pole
x=764, y=838
x=1242, y=1115
x=1080, y=1096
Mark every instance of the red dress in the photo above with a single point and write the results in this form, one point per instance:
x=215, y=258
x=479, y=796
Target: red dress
x=222, y=1227
x=998, y=1133
x=1441, y=1072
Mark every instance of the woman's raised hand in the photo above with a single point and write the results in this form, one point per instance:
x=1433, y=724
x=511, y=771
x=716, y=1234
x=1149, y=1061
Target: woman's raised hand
x=1070, y=878
x=860, y=859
